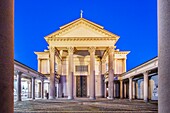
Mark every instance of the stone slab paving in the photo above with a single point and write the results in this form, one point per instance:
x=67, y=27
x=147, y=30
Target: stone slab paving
x=84, y=105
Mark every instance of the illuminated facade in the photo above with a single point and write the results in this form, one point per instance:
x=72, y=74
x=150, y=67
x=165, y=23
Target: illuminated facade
x=80, y=54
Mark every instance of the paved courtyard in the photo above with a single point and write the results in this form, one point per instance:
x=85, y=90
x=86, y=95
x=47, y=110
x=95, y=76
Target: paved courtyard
x=84, y=105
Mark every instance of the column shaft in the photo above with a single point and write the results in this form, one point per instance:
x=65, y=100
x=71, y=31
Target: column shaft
x=52, y=73
x=121, y=89
x=42, y=89
x=163, y=55
x=130, y=88
x=7, y=56
x=134, y=90
x=124, y=90
x=146, y=86
x=19, y=86
x=70, y=73
x=39, y=89
x=115, y=88
x=92, y=73
x=33, y=87
x=111, y=72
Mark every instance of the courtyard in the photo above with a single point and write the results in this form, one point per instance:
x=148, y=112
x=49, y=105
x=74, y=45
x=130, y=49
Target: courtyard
x=83, y=105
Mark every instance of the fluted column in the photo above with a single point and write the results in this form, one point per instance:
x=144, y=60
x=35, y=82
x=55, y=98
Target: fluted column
x=121, y=89
x=163, y=55
x=52, y=73
x=134, y=90
x=42, y=89
x=33, y=87
x=145, y=86
x=92, y=73
x=130, y=88
x=19, y=85
x=111, y=72
x=70, y=72
x=7, y=56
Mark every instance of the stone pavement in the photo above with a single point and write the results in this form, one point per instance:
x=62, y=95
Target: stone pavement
x=84, y=105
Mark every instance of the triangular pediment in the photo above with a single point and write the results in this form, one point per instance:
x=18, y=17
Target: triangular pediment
x=82, y=28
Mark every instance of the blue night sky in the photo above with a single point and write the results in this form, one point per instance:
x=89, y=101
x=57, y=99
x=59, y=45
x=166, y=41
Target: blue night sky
x=135, y=21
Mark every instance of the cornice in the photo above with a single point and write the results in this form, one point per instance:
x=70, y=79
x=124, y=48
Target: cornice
x=122, y=52
x=80, y=39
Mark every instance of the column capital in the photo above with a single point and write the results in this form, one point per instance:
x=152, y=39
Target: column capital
x=18, y=72
x=52, y=48
x=103, y=60
x=146, y=73
x=92, y=50
x=111, y=49
x=130, y=78
x=70, y=50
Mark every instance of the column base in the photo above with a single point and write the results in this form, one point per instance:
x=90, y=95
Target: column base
x=110, y=98
x=92, y=98
x=51, y=98
x=70, y=98
x=146, y=100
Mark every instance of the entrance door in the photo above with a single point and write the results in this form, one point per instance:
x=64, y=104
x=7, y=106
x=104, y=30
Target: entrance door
x=81, y=86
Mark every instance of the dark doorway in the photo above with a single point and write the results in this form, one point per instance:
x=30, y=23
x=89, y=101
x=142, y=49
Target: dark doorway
x=81, y=86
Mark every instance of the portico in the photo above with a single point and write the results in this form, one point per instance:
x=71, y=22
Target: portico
x=81, y=47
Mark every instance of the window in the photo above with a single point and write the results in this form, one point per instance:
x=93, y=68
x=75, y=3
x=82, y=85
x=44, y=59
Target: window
x=82, y=68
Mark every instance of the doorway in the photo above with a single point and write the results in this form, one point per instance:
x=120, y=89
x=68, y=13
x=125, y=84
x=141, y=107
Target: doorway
x=81, y=86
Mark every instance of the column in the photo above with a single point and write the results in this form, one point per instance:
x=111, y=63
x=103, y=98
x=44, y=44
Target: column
x=60, y=73
x=70, y=72
x=121, y=89
x=39, y=89
x=164, y=56
x=115, y=90
x=28, y=82
x=124, y=90
x=42, y=89
x=105, y=89
x=30, y=93
x=52, y=73
x=103, y=72
x=92, y=73
x=19, y=85
x=33, y=87
x=39, y=65
x=130, y=88
x=134, y=91
x=7, y=56
x=145, y=86
x=111, y=72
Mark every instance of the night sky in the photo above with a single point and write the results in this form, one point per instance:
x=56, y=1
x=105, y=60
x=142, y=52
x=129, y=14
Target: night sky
x=135, y=21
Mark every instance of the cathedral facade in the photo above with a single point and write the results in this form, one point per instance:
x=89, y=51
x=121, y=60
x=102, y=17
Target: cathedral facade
x=81, y=61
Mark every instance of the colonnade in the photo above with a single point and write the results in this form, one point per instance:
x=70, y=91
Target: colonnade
x=70, y=78
x=132, y=88
x=31, y=87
